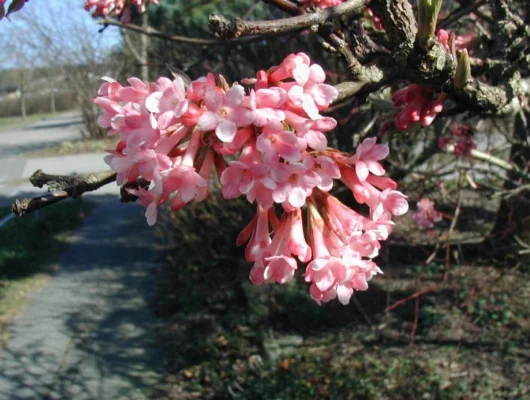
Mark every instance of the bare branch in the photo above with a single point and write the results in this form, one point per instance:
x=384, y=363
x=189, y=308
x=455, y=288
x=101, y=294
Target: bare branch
x=61, y=187
x=225, y=28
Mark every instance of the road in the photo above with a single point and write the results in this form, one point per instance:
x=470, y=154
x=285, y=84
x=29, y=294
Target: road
x=89, y=333
x=15, y=167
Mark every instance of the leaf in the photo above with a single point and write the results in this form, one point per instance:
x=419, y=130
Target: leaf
x=381, y=104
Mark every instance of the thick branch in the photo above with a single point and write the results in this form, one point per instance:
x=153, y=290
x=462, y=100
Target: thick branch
x=399, y=22
x=61, y=187
x=225, y=28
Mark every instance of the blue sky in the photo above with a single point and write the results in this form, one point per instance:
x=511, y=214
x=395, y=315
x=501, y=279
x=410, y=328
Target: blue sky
x=68, y=24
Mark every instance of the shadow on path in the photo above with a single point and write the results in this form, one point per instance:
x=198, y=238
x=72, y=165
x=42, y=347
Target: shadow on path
x=89, y=333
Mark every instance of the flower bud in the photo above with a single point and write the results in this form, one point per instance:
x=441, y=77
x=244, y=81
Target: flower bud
x=463, y=70
x=427, y=16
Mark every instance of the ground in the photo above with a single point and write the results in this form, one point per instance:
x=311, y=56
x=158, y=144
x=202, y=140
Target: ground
x=274, y=342
x=88, y=333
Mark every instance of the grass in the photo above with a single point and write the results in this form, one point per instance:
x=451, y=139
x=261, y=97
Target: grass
x=29, y=251
x=75, y=147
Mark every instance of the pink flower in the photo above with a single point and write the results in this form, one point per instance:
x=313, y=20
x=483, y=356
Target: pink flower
x=169, y=102
x=295, y=183
x=310, y=94
x=266, y=105
x=426, y=215
x=275, y=142
x=225, y=113
x=325, y=167
x=106, y=8
x=151, y=200
x=367, y=157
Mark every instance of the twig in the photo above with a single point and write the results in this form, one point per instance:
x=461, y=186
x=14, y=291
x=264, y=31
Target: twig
x=412, y=296
x=459, y=13
x=174, y=38
x=416, y=316
x=61, y=187
x=361, y=310
x=284, y=5
x=490, y=159
x=233, y=28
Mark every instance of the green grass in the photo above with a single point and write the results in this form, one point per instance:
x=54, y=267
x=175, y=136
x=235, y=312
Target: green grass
x=29, y=250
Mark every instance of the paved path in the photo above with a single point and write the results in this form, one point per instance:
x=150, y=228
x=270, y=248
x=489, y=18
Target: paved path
x=50, y=131
x=15, y=168
x=89, y=334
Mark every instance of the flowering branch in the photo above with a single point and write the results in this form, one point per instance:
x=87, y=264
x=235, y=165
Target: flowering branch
x=61, y=187
x=232, y=28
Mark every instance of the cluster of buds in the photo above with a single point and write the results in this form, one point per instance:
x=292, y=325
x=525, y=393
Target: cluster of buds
x=375, y=19
x=321, y=3
x=266, y=142
x=426, y=215
x=461, y=137
x=417, y=104
x=122, y=8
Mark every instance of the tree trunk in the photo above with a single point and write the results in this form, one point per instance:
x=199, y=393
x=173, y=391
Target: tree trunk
x=23, y=102
x=52, y=101
x=144, y=44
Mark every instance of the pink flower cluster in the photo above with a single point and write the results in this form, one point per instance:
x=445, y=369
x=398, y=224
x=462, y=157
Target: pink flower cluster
x=461, y=136
x=321, y=3
x=417, y=104
x=105, y=8
x=273, y=135
x=426, y=215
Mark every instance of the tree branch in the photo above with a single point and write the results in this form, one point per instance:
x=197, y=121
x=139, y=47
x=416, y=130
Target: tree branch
x=61, y=187
x=225, y=28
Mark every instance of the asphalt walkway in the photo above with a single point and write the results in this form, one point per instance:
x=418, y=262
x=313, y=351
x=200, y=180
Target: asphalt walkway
x=89, y=333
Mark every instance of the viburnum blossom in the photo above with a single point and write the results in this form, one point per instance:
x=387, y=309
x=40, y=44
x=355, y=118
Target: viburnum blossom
x=266, y=143
x=426, y=215
x=121, y=8
x=461, y=136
